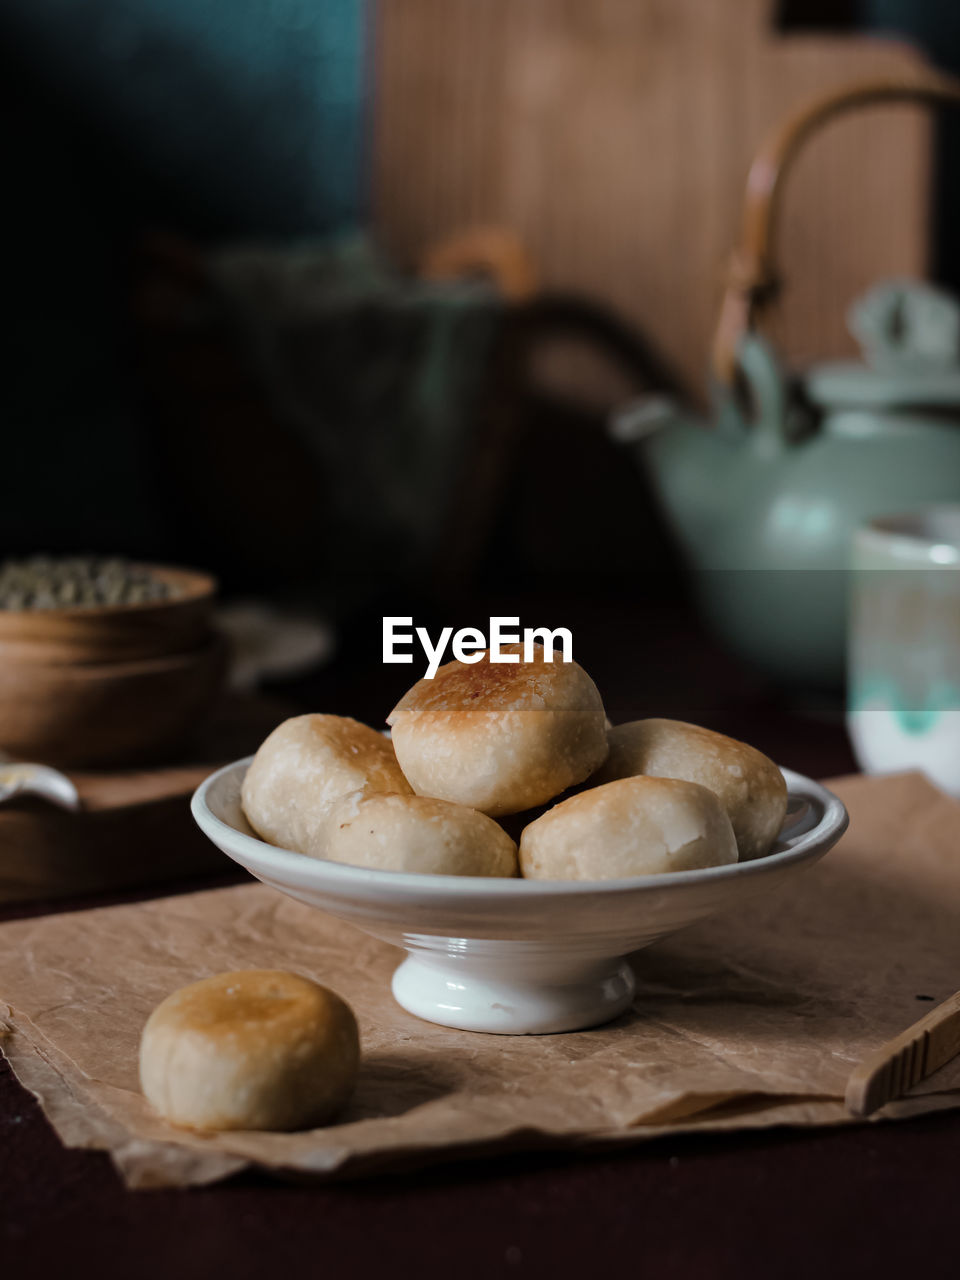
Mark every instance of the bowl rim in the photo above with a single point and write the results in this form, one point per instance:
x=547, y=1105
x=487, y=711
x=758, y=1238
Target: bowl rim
x=282, y=864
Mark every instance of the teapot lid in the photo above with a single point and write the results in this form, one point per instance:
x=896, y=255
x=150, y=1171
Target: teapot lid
x=909, y=333
x=850, y=385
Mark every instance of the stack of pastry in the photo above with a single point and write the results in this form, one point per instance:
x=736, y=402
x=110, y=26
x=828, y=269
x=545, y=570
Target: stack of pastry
x=488, y=750
x=482, y=747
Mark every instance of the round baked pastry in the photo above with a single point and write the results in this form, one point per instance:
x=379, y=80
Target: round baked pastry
x=749, y=786
x=500, y=737
x=258, y=1049
x=415, y=833
x=634, y=827
x=303, y=767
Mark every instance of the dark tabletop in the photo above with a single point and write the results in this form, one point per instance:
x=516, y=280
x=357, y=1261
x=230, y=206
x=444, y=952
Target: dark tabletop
x=877, y=1200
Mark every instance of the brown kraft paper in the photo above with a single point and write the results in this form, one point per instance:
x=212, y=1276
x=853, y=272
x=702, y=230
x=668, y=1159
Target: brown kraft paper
x=751, y=1019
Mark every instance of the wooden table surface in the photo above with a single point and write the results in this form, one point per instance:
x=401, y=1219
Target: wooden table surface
x=875, y=1200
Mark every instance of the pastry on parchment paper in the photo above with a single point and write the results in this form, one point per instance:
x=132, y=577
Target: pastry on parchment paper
x=255, y=1049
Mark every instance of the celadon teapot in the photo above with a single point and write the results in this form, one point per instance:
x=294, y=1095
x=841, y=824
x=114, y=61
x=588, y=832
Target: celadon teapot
x=764, y=501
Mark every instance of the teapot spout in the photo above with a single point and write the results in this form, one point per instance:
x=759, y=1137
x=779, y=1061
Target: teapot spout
x=642, y=418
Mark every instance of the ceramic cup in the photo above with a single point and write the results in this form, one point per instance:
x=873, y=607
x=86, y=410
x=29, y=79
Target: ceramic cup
x=904, y=645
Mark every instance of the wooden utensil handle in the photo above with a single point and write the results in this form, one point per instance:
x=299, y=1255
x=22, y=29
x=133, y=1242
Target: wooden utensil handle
x=901, y=1063
x=753, y=279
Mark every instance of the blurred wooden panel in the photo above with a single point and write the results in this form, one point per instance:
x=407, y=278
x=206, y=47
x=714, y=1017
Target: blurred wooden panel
x=615, y=136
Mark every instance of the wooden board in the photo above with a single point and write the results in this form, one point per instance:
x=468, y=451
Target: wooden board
x=615, y=137
x=135, y=827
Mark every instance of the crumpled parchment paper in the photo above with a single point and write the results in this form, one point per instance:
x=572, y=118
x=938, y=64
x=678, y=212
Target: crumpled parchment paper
x=752, y=1019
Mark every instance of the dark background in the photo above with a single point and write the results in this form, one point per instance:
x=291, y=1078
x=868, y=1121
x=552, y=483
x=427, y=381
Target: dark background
x=222, y=122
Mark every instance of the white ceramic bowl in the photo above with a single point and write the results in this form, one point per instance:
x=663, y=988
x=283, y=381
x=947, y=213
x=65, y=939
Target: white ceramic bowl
x=517, y=956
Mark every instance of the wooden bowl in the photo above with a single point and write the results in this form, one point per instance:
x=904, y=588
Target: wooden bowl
x=110, y=685
x=114, y=633
x=108, y=713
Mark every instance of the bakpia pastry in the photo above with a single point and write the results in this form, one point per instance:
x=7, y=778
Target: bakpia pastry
x=500, y=737
x=256, y=1049
x=632, y=827
x=305, y=765
x=417, y=834
x=749, y=785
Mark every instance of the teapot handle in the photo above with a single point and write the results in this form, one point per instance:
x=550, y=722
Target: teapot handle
x=753, y=279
